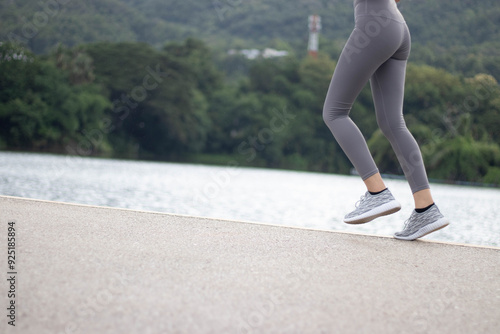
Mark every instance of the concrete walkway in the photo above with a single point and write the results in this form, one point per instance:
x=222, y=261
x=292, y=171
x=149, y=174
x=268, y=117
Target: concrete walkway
x=83, y=269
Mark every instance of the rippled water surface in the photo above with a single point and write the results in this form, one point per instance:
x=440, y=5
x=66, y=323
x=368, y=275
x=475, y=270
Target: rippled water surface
x=290, y=198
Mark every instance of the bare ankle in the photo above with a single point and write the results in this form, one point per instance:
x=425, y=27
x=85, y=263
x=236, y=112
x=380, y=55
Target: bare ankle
x=423, y=198
x=375, y=183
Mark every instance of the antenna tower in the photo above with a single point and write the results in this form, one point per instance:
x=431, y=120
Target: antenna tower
x=314, y=29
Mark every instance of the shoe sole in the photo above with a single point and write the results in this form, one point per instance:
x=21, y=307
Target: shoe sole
x=437, y=225
x=382, y=210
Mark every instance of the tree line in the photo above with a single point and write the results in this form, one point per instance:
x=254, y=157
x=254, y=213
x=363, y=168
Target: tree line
x=183, y=102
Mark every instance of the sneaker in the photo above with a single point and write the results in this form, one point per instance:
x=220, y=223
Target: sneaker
x=420, y=224
x=371, y=206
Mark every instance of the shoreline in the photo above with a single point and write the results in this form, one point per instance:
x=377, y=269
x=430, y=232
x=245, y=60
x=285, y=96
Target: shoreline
x=226, y=160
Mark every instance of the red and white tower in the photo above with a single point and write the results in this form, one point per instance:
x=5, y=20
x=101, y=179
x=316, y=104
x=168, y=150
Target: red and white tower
x=314, y=29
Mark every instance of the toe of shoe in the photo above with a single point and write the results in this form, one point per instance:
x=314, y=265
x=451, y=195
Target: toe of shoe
x=401, y=236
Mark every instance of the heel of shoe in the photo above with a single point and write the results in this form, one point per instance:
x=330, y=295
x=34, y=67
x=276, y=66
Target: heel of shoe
x=383, y=210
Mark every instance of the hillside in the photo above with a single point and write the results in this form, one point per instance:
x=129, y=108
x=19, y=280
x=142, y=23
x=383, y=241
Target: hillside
x=459, y=35
x=445, y=23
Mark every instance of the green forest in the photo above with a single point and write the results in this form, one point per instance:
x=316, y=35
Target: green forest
x=153, y=80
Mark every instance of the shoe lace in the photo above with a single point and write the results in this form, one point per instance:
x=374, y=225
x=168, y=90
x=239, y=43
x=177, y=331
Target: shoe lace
x=407, y=223
x=361, y=200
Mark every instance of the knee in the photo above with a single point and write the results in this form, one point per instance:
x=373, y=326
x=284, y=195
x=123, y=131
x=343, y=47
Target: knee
x=390, y=127
x=332, y=113
x=327, y=115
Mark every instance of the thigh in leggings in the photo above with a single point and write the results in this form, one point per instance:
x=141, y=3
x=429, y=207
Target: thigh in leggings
x=377, y=50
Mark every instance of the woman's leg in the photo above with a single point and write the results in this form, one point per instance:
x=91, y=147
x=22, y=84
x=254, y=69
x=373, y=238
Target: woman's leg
x=387, y=85
x=355, y=67
x=388, y=89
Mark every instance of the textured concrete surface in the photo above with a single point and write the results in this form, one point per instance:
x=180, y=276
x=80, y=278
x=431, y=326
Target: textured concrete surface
x=83, y=269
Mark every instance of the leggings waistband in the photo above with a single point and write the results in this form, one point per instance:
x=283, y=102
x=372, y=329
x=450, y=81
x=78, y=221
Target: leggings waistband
x=383, y=8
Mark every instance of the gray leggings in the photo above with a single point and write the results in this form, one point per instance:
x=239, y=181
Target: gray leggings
x=377, y=50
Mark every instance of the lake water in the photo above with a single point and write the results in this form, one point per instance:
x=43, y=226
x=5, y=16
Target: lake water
x=311, y=200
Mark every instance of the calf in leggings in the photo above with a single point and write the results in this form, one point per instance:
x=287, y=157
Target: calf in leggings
x=377, y=50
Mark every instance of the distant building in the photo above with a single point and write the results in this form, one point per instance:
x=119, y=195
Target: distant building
x=272, y=53
x=255, y=53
